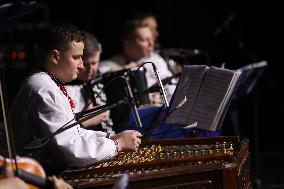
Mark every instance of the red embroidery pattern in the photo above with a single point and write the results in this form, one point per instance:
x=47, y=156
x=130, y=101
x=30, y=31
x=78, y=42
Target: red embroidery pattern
x=71, y=102
x=61, y=86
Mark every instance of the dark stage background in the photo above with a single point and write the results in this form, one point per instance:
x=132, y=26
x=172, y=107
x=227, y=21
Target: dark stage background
x=235, y=33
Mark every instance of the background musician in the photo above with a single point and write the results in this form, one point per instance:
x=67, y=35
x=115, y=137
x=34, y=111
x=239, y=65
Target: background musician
x=88, y=93
x=138, y=47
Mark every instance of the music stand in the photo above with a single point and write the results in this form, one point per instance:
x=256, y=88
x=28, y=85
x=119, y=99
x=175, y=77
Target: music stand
x=191, y=104
x=249, y=77
x=171, y=124
x=250, y=74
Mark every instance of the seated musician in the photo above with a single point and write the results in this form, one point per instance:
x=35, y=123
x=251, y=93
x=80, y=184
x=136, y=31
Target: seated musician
x=137, y=48
x=85, y=93
x=43, y=105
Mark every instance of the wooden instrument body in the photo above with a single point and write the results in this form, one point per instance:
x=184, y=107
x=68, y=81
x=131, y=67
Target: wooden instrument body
x=213, y=162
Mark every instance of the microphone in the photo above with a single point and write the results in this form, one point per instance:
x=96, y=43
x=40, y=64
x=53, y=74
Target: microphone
x=132, y=103
x=162, y=89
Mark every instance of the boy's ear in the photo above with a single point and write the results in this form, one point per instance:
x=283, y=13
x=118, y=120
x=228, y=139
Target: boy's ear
x=54, y=56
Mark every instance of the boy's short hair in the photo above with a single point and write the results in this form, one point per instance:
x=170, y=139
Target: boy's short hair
x=58, y=35
x=128, y=31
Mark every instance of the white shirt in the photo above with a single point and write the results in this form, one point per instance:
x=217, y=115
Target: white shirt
x=118, y=62
x=40, y=108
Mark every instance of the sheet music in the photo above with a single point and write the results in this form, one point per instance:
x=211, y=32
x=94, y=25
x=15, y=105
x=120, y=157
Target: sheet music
x=226, y=102
x=188, y=87
x=209, y=92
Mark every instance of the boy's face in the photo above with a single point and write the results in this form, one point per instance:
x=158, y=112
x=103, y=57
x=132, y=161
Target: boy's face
x=70, y=61
x=91, y=65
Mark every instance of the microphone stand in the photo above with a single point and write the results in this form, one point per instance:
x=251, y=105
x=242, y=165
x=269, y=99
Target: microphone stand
x=132, y=103
x=162, y=89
